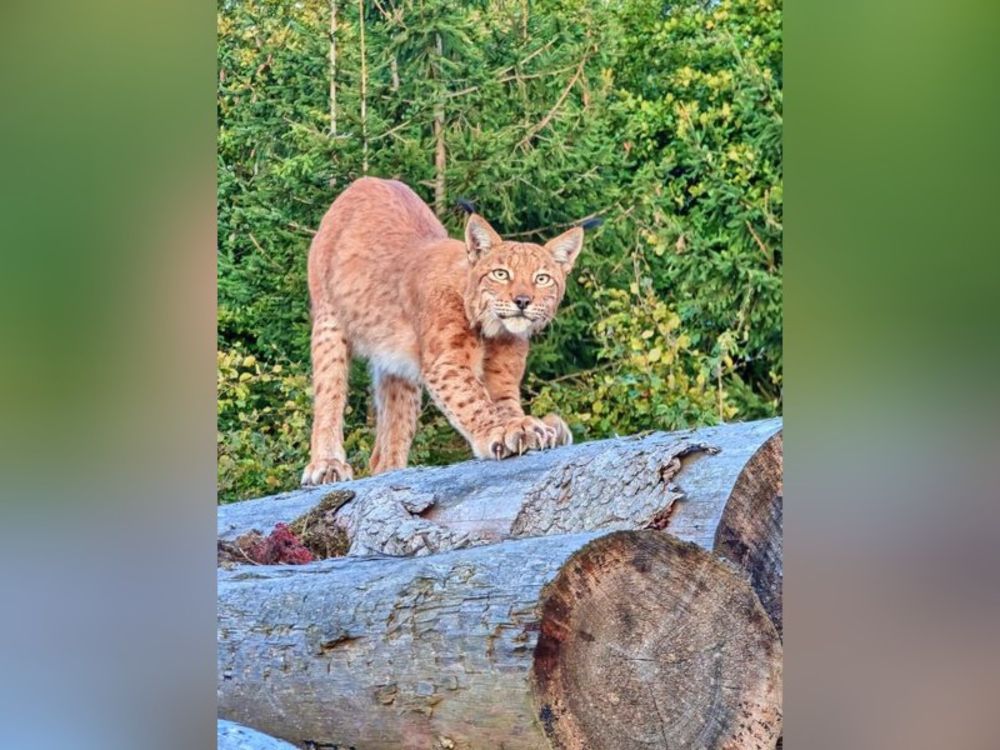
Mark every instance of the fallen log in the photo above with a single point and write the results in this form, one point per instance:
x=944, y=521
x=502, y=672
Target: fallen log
x=719, y=487
x=622, y=640
x=232, y=736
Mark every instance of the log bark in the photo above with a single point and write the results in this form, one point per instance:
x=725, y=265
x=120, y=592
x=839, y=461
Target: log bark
x=622, y=640
x=719, y=487
x=233, y=736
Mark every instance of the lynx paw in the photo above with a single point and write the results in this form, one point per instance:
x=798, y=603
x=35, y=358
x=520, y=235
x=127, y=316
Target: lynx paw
x=517, y=436
x=326, y=471
x=561, y=429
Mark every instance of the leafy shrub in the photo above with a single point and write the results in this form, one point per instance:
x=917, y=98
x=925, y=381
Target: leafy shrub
x=264, y=419
x=700, y=112
x=648, y=375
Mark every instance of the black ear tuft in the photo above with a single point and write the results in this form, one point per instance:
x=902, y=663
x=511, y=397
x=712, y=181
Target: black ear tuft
x=592, y=223
x=466, y=205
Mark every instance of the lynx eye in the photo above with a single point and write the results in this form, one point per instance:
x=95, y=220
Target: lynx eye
x=500, y=274
x=543, y=279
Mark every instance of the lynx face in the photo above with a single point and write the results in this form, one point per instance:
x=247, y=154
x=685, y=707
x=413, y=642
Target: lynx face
x=516, y=287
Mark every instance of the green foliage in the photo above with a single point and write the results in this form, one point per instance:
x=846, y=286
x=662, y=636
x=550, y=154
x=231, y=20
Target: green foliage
x=647, y=376
x=665, y=118
x=702, y=117
x=263, y=424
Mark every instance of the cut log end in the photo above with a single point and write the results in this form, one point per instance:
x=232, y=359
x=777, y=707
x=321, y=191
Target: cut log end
x=749, y=531
x=616, y=668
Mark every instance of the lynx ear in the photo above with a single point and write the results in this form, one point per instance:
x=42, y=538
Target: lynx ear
x=480, y=237
x=566, y=247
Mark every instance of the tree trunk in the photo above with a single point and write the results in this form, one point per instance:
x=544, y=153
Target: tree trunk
x=719, y=487
x=333, y=67
x=440, y=160
x=624, y=640
x=364, y=90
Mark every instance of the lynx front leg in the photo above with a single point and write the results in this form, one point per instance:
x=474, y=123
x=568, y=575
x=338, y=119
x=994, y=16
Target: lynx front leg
x=449, y=373
x=397, y=404
x=330, y=360
x=503, y=370
x=465, y=402
x=562, y=434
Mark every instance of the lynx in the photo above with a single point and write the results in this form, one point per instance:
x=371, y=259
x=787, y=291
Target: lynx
x=387, y=283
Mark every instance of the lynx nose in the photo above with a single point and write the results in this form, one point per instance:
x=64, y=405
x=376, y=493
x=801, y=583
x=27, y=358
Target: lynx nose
x=522, y=301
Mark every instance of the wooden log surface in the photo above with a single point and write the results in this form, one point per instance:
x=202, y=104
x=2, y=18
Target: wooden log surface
x=719, y=487
x=233, y=736
x=622, y=640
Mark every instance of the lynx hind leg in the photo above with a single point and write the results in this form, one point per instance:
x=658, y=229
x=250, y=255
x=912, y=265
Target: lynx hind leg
x=397, y=405
x=330, y=361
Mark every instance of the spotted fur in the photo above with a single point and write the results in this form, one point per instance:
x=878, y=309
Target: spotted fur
x=388, y=284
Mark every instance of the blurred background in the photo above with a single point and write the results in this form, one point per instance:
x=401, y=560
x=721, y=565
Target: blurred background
x=664, y=119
